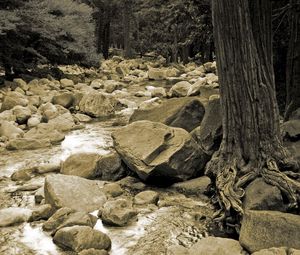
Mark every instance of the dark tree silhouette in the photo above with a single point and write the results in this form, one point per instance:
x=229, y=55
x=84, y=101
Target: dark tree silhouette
x=251, y=144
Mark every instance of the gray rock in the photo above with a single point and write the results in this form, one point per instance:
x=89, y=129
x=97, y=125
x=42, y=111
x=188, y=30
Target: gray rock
x=79, y=238
x=65, y=99
x=97, y=104
x=118, y=212
x=262, y=196
x=113, y=189
x=13, y=215
x=195, y=186
x=267, y=229
x=170, y=153
x=146, y=197
x=186, y=113
x=43, y=212
x=66, y=217
x=73, y=192
x=291, y=129
x=216, y=246
x=27, y=144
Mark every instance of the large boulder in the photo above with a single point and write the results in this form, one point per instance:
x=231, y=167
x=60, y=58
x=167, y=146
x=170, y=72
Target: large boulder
x=157, y=74
x=13, y=99
x=262, y=196
x=66, y=217
x=73, y=192
x=118, y=212
x=291, y=130
x=169, y=153
x=209, y=134
x=92, y=165
x=180, y=89
x=9, y=130
x=266, y=229
x=13, y=215
x=186, y=113
x=27, y=144
x=79, y=238
x=81, y=164
x=65, y=99
x=45, y=131
x=98, y=104
x=22, y=114
x=216, y=246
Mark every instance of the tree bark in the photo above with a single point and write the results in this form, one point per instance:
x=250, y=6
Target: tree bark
x=251, y=144
x=293, y=61
x=127, y=28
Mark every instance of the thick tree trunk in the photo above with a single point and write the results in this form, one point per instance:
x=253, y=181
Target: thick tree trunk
x=251, y=144
x=127, y=29
x=293, y=61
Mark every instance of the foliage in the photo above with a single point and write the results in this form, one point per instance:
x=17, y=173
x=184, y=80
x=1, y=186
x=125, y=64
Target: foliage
x=54, y=31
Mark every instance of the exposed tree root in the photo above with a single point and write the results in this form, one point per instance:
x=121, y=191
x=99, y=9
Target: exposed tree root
x=231, y=178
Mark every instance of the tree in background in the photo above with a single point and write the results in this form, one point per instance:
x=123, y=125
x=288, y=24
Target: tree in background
x=251, y=144
x=38, y=32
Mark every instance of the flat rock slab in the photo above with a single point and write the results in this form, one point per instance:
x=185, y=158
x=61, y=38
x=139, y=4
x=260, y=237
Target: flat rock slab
x=186, y=113
x=267, y=229
x=156, y=152
x=74, y=192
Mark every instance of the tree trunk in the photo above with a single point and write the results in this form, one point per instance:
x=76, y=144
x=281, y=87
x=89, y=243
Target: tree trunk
x=293, y=61
x=127, y=29
x=251, y=144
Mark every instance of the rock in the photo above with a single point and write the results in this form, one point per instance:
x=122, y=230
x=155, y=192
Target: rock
x=65, y=99
x=195, y=88
x=27, y=144
x=171, y=154
x=294, y=252
x=97, y=84
x=33, y=121
x=45, y=131
x=262, y=196
x=157, y=91
x=156, y=74
x=146, y=197
x=48, y=168
x=43, y=212
x=195, y=186
x=210, y=67
x=22, y=175
x=64, y=122
x=98, y=104
x=113, y=189
x=110, y=168
x=186, y=113
x=211, y=78
x=13, y=99
x=39, y=195
x=216, y=246
x=118, y=212
x=271, y=251
x=7, y=115
x=73, y=192
x=22, y=114
x=291, y=130
x=111, y=85
x=21, y=84
x=267, y=229
x=82, y=117
x=177, y=250
x=48, y=111
x=79, y=238
x=66, y=217
x=13, y=215
x=64, y=83
x=9, y=130
x=132, y=184
x=209, y=134
x=180, y=89
x=295, y=115
x=81, y=164
x=150, y=104
x=93, y=252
